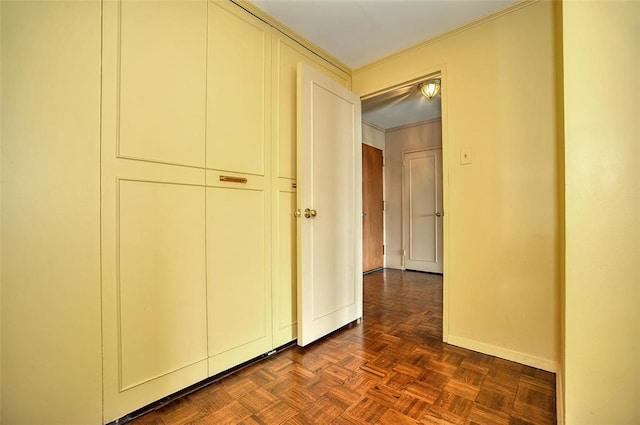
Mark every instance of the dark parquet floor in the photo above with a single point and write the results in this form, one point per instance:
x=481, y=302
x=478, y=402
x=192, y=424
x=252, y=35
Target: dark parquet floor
x=392, y=368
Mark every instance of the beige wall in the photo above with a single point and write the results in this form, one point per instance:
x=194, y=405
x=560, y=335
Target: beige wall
x=51, y=364
x=501, y=232
x=410, y=138
x=602, y=146
x=0, y=212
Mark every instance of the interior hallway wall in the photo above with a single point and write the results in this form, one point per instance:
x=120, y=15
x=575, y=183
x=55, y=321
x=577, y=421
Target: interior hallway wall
x=602, y=148
x=373, y=136
x=50, y=234
x=410, y=138
x=502, y=244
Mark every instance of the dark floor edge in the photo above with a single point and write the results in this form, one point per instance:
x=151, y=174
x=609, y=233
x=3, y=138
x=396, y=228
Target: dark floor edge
x=425, y=272
x=379, y=269
x=195, y=387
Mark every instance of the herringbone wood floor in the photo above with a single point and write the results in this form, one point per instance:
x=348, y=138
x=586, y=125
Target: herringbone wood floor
x=390, y=369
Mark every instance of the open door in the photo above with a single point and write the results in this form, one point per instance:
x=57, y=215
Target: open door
x=329, y=206
x=372, y=209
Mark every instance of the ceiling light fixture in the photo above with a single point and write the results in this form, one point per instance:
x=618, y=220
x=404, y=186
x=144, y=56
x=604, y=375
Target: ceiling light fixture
x=430, y=88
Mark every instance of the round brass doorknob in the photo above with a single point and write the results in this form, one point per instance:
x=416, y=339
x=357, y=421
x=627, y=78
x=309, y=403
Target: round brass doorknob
x=438, y=214
x=309, y=213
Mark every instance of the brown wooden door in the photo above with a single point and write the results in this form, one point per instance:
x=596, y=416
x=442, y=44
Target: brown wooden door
x=372, y=208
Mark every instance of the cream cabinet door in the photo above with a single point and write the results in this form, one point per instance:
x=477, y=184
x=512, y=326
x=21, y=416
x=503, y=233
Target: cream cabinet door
x=238, y=271
x=238, y=91
x=238, y=187
x=153, y=201
x=161, y=77
x=286, y=56
x=154, y=289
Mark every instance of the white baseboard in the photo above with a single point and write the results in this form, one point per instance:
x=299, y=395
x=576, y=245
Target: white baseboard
x=504, y=353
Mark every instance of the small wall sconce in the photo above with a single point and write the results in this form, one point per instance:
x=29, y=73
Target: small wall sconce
x=430, y=88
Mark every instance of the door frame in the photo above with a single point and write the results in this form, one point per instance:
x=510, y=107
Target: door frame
x=440, y=70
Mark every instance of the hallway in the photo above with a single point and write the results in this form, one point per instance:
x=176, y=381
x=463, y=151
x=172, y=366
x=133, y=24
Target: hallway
x=390, y=369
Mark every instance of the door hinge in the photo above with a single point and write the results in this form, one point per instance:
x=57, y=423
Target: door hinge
x=382, y=249
x=382, y=205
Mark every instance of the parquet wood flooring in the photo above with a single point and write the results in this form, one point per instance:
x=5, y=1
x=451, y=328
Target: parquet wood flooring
x=392, y=368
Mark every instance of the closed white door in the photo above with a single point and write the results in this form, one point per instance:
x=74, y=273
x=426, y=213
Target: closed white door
x=422, y=210
x=329, y=206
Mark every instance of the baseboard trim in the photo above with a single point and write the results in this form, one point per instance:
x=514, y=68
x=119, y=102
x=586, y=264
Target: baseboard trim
x=504, y=353
x=559, y=397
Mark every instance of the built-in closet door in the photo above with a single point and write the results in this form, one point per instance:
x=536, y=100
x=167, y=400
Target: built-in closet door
x=286, y=55
x=153, y=200
x=238, y=200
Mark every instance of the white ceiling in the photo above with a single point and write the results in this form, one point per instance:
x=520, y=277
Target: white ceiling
x=358, y=32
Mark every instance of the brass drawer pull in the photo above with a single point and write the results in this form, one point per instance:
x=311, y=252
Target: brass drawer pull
x=233, y=179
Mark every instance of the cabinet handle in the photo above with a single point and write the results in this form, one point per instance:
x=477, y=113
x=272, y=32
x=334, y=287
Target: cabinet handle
x=233, y=179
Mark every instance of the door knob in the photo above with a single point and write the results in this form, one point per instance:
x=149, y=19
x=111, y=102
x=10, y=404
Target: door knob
x=438, y=214
x=309, y=213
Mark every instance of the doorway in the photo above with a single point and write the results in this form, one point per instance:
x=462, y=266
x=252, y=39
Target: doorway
x=421, y=130
x=406, y=121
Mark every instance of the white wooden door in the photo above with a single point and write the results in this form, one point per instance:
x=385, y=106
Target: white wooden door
x=422, y=210
x=329, y=206
x=286, y=56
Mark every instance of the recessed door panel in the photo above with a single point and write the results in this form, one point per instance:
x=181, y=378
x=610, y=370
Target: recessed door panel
x=238, y=91
x=161, y=279
x=154, y=291
x=162, y=81
x=238, y=276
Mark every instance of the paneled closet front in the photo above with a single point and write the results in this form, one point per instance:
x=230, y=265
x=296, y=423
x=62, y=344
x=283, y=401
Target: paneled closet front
x=238, y=187
x=153, y=201
x=198, y=232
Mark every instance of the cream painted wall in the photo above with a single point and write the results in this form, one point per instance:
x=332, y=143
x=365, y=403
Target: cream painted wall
x=409, y=138
x=372, y=136
x=0, y=212
x=51, y=364
x=602, y=148
x=501, y=233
